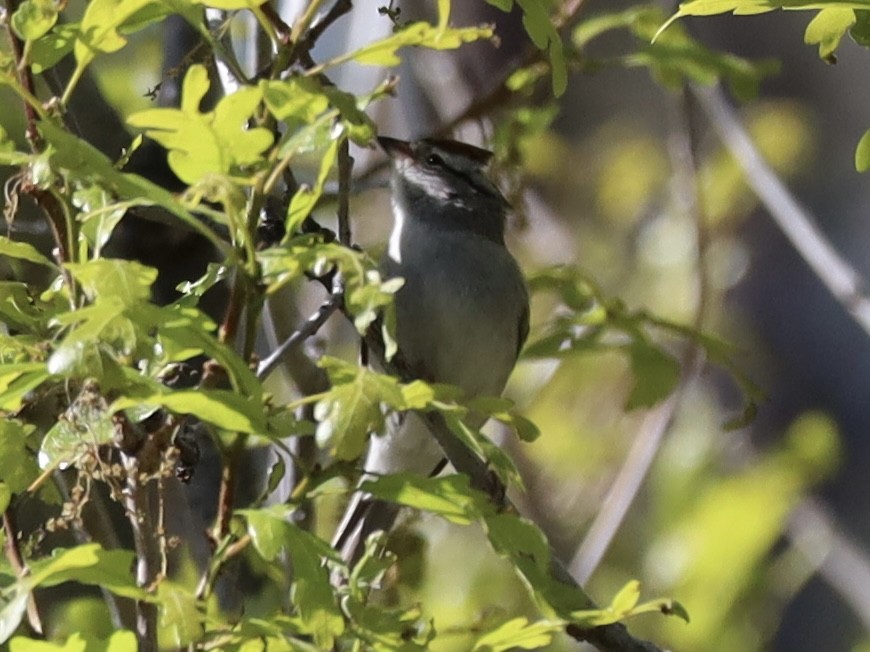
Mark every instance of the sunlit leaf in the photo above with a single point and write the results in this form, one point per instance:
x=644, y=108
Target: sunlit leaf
x=862, y=153
x=518, y=633
x=22, y=251
x=99, y=27
x=125, y=281
x=271, y=532
x=180, y=619
x=17, y=466
x=384, y=52
x=222, y=408
x=295, y=98
x=450, y=496
x=352, y=408
x=306, y=198
x=625, y=605
x=218, y=142
x=34, y=18
x=827, y=30
x=119, y=641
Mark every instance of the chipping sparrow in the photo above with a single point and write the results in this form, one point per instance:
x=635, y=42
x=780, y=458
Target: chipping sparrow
x=462, y=314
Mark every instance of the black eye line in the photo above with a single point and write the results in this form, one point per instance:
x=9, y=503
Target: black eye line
x=434, y=159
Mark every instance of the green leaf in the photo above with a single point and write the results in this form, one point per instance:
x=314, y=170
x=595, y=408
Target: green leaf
x=385, y=630
x=352, y=408
x=499, y=461
x=214, y=273
x=502, y=409
x=22, y=251
x=222, y=408
x=306, y=198
x=85, y=425
x=312, y=594
x=383, y=52
x=299, y=99
x=542, y=32
x=450, y=496
x=860, y=32
x=504, y=5
x=675, y=57
x=199, y=144
x=627, y=597
x=90, y=564
x=518, y=633
x=180, y=619
x=517, y=538
x=125, y=281
x=46, y=52
x=656, y=375
x=591, y=28
x=80, y=160
x=5, y=496
x=34, y=18
x=625, y=605
x=99, y=216
x=17, y=466
x=862, y=153
x=751, y=7
x=267, y=527
x=99, y=28
x=120, y=641
x=16, y=381
x=827, y=30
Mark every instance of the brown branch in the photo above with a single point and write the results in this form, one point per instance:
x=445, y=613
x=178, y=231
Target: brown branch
x=345, y=170
x=25, y=77
x=137, y=501
x=608, y=638
x=229, y=472
x=19, y=566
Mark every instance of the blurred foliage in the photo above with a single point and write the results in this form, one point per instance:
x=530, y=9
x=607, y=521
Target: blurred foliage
x=83, y=341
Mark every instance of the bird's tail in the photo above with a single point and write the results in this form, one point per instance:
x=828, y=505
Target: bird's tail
x=364, y=516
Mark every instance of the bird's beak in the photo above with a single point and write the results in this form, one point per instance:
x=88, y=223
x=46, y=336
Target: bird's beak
x=395, y=148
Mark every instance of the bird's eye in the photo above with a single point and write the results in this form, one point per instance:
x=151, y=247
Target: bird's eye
x=434, y=159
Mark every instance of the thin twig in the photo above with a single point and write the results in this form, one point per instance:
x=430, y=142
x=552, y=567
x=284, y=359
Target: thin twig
x=838, y=560
x=345, y=170
x=19, y=566
x=25, y=76
x=309, y=328
x=608, y=638
x=842, y=280
x=138, y=507
x=339, y=9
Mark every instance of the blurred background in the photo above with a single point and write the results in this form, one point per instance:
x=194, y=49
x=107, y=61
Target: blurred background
x=762, y=532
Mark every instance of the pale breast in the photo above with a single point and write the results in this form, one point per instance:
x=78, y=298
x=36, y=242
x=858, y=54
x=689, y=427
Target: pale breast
x=459, y=312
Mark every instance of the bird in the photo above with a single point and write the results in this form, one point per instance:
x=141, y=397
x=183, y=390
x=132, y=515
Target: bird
x=462, y=314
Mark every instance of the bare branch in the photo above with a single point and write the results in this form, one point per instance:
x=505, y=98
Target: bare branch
x=837, y=559
x=608, y=638
x=309, y=328
x=798, y=225
x=345, y=170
